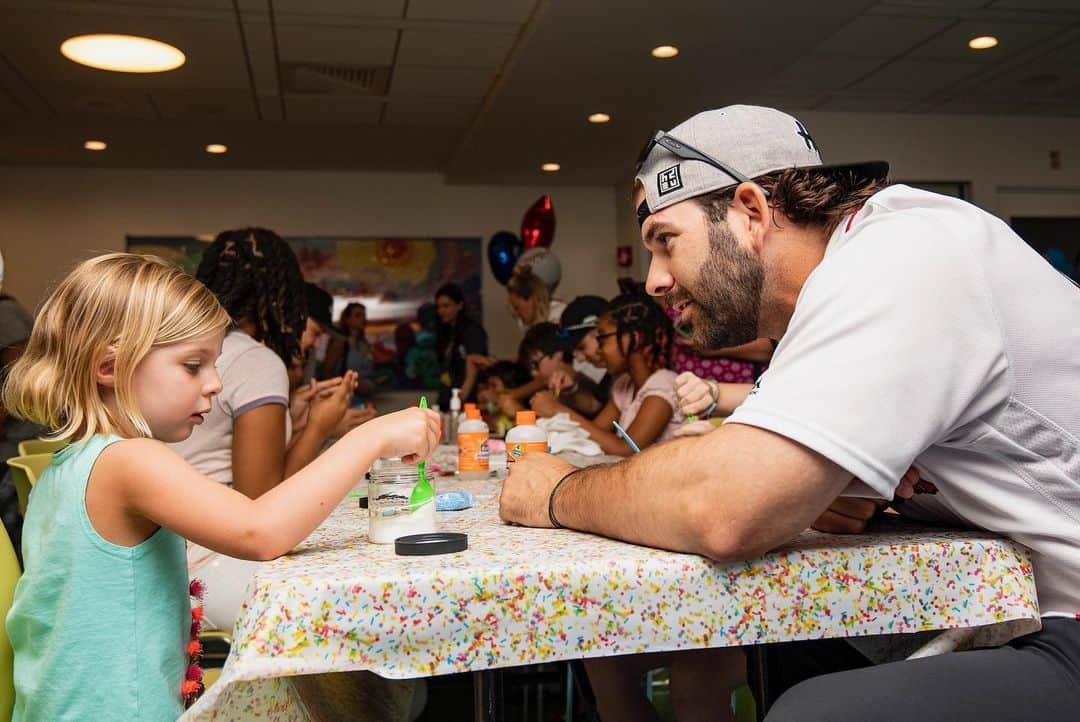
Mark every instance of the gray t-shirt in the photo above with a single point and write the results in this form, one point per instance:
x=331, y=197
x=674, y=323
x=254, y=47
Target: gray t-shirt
x=251, y=376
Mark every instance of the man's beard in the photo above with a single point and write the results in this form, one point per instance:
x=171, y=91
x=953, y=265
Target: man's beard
x=727, y=293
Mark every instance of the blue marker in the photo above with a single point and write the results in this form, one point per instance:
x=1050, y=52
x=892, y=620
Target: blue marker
x=622, y=432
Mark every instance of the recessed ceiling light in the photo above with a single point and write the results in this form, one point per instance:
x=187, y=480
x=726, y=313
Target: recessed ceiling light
x=599, y=118
x=550, y=167
x=216, y=148
x=95, y=145
x=983, y=42
x=122, y=53
x=665, y=51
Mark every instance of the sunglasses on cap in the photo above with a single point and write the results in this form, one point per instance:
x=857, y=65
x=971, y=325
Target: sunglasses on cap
x=681, y=151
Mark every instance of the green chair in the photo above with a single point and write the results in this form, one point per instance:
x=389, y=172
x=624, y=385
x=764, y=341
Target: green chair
x=9, y=575
x=25, y=471
x=40, y=446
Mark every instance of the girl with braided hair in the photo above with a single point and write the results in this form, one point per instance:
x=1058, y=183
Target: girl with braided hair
x=635, y=342
x=251, y=440
x=256, y=277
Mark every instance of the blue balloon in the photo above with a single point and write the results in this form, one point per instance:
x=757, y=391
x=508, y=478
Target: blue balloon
x=503, y=251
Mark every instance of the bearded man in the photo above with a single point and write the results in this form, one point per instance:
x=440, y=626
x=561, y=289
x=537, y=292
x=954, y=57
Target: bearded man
x=914, y=330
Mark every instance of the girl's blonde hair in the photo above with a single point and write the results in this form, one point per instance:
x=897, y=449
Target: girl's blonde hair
x=119, y=305
x=526, y=284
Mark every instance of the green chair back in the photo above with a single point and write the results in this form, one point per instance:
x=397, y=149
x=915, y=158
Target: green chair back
x=9, y=575
x=40, y=446
x=25, y=471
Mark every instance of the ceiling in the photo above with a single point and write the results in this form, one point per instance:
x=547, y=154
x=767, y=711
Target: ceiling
x=484, y=91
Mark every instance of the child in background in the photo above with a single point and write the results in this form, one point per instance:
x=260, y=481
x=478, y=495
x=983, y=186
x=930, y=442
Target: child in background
x=635, y=338
x=498, y=407
x=121, y=359
x=259, y=432
x=545, y=353
x=248, y=439
x=578, y=326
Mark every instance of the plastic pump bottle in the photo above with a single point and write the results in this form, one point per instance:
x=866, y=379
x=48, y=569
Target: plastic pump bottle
x=473, y=446
x=525, y=438
x=455, y=416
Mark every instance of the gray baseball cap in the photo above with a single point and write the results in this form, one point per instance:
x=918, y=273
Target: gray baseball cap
x=719, y=148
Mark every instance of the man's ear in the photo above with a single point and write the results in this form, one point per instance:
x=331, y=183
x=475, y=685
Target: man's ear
x=753, y=207
x=105, y=373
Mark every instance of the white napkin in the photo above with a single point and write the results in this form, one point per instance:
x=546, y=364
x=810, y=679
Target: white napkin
x=565, y=434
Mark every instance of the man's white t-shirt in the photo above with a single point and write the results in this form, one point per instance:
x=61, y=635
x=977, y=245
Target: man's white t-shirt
x=931, y=334
x=251, y=376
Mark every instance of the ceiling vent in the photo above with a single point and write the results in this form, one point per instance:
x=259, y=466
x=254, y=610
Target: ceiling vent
x=328, y=79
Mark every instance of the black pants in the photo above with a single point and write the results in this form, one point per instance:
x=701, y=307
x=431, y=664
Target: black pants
x=1033, y=678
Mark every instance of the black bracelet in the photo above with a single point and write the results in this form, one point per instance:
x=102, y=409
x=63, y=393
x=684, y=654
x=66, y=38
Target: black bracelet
x=551, y=500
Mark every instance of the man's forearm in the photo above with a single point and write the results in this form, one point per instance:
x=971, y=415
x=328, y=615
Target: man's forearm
x=644, y=499
x=729, y=495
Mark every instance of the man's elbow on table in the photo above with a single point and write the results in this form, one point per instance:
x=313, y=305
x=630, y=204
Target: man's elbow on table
x=712, y=526
x=729, y=540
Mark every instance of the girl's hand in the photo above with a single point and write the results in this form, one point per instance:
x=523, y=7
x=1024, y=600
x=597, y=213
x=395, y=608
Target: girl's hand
x=697, y=428
x=327, y=409
x=300, y=399
x=411, y=434
x=560, y=380
x=545, y=404
x=695, y=394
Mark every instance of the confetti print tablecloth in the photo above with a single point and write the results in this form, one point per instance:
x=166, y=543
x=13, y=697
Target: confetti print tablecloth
x=522, y=596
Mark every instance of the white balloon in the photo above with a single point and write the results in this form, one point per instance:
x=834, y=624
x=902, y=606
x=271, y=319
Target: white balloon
x=544, y=264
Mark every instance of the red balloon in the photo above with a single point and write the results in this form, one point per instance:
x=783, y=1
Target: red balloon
x=538, y=225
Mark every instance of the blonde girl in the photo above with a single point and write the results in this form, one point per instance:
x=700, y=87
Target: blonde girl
x=121, y=359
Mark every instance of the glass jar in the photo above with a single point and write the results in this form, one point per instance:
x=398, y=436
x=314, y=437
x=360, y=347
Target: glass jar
x=390, y=513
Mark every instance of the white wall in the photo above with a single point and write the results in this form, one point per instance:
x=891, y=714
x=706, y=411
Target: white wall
x=54, y=216
x=1006, y=159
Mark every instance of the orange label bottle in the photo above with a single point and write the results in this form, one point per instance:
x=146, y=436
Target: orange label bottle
x=525, y=438
x=473, y=444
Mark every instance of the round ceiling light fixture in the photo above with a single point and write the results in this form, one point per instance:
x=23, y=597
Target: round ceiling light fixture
x=122, y=53
x=983, y=42
x=550, y=167
x=665, y=51
x=216, y=148
x=95, y=145
x=599, y=118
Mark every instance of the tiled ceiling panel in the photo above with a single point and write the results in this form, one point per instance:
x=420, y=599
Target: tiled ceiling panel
x=429, y=113
x=436, y=82
x=879, y=36
x=333, y=110
x=337, y=46
x=479, y=11
x=468, y=49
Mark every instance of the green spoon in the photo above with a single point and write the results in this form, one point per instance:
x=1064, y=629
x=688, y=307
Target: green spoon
x=422, y=493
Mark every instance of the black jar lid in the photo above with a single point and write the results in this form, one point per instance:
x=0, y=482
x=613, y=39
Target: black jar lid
x=422, y=545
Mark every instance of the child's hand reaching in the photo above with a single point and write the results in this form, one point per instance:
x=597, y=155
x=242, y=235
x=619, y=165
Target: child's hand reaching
x=411, y=434
x=695, y=394
x=561, y=379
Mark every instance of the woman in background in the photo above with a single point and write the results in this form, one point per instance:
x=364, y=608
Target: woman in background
x=531, y=301
x=457, y=338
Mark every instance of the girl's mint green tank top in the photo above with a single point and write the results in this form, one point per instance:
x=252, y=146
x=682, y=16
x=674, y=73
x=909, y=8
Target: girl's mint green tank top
x=99, y=630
